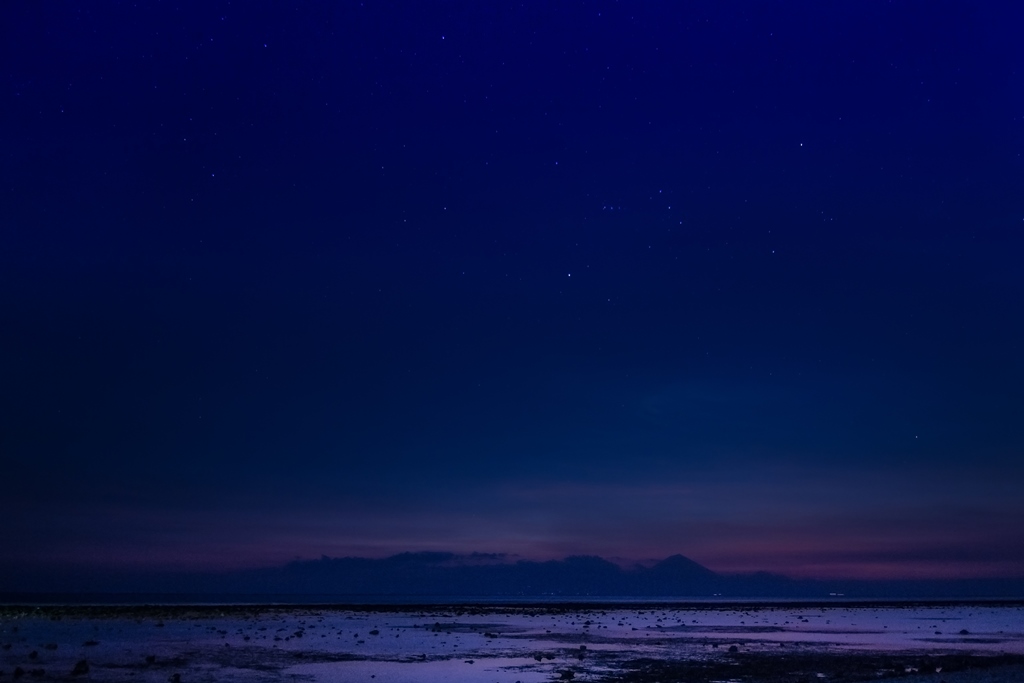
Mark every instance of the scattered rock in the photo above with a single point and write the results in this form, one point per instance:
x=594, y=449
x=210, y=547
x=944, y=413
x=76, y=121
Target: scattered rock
x=81, y=668
x=150, y=659
x=567, y=675
x=733, y=648
x=374, y=632
x=964, y=632
x=18, y=672
x=175, y=678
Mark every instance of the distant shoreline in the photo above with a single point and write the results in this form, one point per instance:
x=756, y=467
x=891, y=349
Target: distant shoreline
x=86, y=604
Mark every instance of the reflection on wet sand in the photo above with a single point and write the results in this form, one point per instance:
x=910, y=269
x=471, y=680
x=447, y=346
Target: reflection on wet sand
x=968, y=643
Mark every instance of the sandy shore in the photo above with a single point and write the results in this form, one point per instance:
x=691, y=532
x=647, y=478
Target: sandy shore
x=505, y=644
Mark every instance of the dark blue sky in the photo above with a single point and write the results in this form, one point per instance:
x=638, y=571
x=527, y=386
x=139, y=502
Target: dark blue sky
x=736, y=280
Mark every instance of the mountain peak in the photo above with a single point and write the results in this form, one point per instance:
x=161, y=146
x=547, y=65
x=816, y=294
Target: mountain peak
x=678, y=565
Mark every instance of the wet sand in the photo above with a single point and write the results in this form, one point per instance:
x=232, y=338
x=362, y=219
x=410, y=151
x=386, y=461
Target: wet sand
x=638, y=643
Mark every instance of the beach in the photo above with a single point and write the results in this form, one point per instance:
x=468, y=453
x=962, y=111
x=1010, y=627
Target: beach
x=968, y=643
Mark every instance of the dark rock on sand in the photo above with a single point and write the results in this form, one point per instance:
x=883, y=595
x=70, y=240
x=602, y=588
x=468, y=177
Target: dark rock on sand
x=761, y=667
x=150, y=659
x=18, y=672
x=81, y=668
x=175, y=678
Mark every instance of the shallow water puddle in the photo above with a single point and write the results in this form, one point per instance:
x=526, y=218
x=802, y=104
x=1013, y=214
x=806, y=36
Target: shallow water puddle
x=498, y=670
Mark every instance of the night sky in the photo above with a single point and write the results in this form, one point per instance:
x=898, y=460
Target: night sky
x=738, y=280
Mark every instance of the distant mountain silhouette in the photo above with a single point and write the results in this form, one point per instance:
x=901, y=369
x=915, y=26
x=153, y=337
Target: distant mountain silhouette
x=447, y=575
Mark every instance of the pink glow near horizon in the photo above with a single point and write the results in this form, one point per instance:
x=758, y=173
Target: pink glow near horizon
x=760, y=527
x=798, y=561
